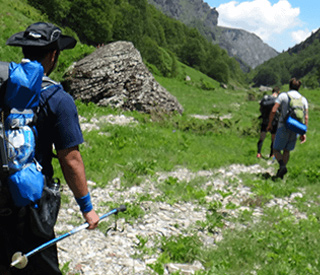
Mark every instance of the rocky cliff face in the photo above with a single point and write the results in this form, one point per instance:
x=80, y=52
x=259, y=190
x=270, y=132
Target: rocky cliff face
x=187, y=11
x=246, y=47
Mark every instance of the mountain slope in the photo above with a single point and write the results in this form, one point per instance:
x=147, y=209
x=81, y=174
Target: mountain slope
x=246, y=47
x=302, y=61
x=305, y=44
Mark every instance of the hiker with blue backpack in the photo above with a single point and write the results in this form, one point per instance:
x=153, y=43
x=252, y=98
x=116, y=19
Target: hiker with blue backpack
x=37, y=115
x=293, y=122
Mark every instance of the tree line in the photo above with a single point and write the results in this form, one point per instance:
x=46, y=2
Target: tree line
x=302, y=62
x=162, y=41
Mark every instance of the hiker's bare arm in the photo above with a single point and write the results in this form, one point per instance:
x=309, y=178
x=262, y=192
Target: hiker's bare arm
x=303, y=138
x=73, y=170
x=272, y=114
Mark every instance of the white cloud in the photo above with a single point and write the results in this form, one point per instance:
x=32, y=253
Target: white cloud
x=301, y=35
x=259, y=17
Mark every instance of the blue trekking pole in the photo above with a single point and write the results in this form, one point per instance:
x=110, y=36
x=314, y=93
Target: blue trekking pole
x=20, y=261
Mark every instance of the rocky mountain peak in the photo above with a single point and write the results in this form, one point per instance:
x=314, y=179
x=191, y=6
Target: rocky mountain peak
x=246, y=47
x=187, y=10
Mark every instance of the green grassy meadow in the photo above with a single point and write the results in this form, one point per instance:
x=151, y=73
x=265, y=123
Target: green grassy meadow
x=279, y=244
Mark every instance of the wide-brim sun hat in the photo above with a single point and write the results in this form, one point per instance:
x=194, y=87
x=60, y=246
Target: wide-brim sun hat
x=44, y=35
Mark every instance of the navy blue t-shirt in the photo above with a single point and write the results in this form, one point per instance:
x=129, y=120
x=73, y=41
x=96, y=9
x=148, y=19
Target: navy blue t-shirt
x=58, y=125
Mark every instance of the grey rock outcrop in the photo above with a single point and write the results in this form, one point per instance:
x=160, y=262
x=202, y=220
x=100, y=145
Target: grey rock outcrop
x=114, y=75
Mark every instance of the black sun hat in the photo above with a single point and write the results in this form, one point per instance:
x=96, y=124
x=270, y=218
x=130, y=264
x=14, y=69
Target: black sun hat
x=44, y=35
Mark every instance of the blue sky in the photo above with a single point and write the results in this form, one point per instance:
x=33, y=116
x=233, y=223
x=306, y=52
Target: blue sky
x=280, y=23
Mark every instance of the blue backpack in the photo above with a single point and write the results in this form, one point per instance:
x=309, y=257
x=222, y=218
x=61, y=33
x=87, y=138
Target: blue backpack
x=18, y=133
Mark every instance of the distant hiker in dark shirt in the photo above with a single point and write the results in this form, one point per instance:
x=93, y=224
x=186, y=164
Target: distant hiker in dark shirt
x=25, y=228
x=285, y=140
x=266, y=105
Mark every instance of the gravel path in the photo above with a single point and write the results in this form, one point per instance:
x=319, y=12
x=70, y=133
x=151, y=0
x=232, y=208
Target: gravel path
x=113, y=251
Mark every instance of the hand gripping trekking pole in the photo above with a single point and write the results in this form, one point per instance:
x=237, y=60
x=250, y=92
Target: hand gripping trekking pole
x=20, y=261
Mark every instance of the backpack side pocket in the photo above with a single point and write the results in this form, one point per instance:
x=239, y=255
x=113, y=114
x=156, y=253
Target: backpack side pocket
x=26, y=185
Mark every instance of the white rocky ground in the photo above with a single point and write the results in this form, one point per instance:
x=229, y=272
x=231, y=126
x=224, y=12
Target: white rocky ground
x=111, y=252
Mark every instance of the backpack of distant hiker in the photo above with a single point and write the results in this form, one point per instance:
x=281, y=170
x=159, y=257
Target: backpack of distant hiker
x=266, y=105
x=20, y=98
x=295, y=116
x=3, y=71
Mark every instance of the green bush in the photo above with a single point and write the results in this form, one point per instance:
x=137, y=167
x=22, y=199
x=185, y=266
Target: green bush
x=266, y=76
x=181, y=249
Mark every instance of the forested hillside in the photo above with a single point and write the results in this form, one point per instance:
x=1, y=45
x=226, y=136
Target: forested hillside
x=301, y=61
x=161, y=40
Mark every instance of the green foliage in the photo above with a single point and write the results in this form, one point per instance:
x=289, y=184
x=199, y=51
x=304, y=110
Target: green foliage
x=164, y=61
x=134, y=170
x=214, y=219
x=219, y=70
x=192, y=52
x=56, y=9
x=65, y=269
x=161, y=40
x=302, y=62
x=129, y=22
x=15, y=17
x=206, y=85
x=91, y=20
x=266, y=76
x=181, y=249
x=142, y=247
x=176, y=191
x=279, y=246
x=312, y=81
x=132, y=213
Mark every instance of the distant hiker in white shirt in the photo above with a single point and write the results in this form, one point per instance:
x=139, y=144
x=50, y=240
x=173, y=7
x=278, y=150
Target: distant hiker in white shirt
x=285, y=139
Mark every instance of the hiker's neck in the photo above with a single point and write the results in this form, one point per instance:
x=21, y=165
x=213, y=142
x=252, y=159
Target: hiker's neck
x=49, y=62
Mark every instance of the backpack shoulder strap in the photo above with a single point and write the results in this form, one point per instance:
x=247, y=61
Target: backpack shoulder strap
x=3, y=89
x=4, y=74
x=47, y=81
x=4, y=71
x=290, y=98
